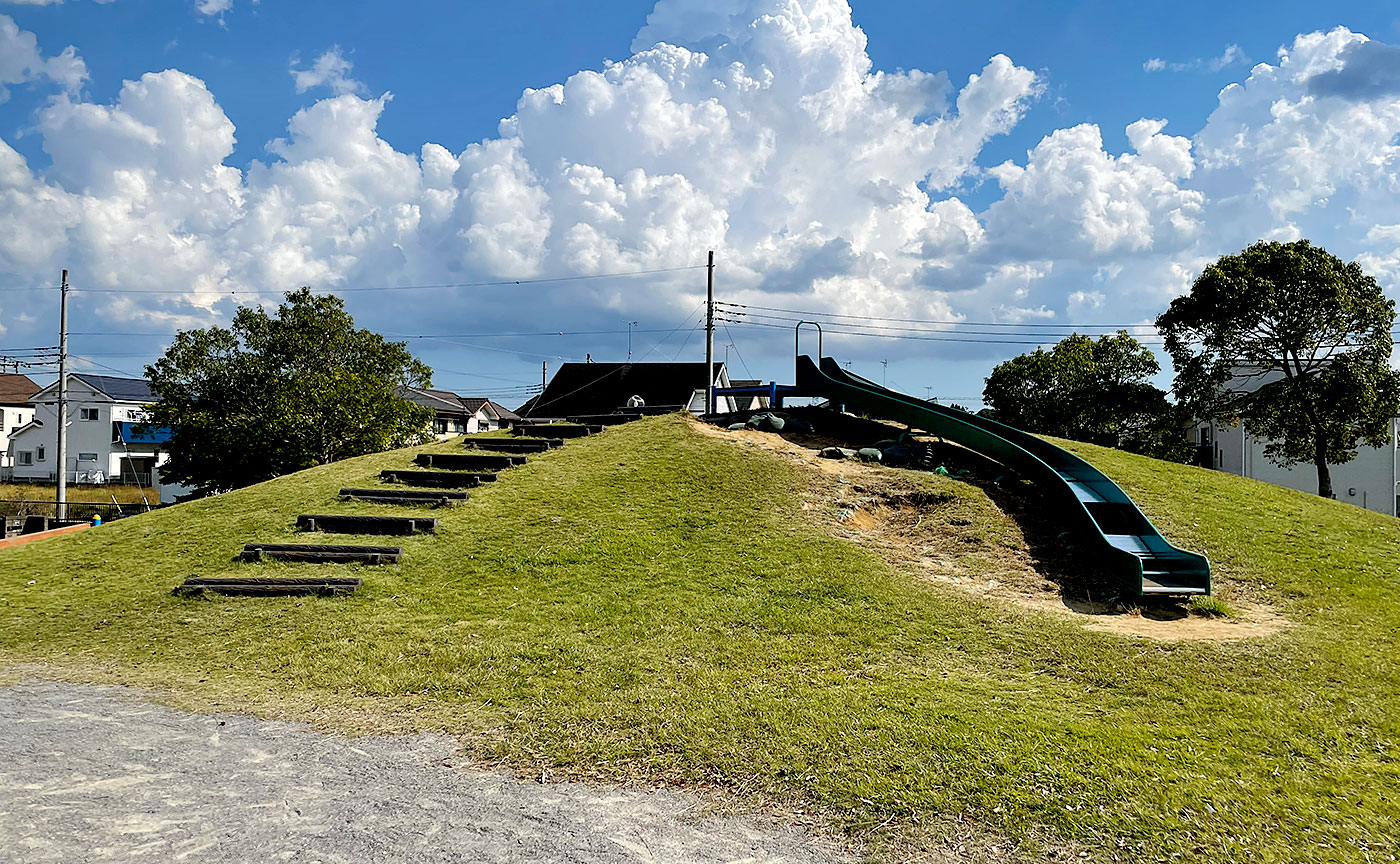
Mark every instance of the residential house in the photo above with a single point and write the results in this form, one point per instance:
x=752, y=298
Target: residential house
x=16, y=410
x=1369, y=480
x=107, y=442
x=455, y=415
x=579, y=389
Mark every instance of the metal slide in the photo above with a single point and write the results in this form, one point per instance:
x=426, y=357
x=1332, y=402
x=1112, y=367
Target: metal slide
x=1107, y=527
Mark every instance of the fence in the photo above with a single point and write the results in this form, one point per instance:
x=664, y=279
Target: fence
x=83, y=510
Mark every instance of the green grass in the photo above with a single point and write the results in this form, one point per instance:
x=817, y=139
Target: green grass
x=1211, y=607
x=26, y=499
x=655, y=603
x=76, y=493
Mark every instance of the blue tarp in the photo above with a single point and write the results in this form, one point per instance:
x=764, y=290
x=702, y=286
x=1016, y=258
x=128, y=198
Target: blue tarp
x=127, y=434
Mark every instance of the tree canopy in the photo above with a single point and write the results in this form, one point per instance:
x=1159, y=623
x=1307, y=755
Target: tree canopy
x=273, y=394
x=1095, y=390
x=1295, y=344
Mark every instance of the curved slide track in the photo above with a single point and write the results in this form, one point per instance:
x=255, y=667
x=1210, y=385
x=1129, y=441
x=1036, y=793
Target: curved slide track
x=1107, y=526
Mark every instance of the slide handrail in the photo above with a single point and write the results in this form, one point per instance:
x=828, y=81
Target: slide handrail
x=1104, y=520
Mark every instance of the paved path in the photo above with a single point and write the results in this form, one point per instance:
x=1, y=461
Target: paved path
x=97, y=774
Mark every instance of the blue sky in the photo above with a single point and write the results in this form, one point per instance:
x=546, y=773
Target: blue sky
x=1073, y=234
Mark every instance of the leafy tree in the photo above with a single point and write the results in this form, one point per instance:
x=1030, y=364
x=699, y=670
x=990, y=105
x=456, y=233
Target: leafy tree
x=273, y=394
x=1295, y=344
x=1094, y=390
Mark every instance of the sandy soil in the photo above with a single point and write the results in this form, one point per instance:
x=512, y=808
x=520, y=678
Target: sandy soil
x=92, y=774
x=875, y=506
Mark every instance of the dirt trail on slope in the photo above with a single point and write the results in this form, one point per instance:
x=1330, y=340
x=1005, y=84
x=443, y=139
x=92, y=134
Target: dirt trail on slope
x=948, y=542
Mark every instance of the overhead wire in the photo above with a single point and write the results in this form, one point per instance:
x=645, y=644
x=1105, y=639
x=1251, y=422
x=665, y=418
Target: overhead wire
x=492, y=283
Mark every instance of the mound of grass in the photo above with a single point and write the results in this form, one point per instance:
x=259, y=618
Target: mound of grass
x=655, y=603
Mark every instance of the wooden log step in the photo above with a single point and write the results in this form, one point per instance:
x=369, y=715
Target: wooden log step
x=605, y=419
x=402, y=502
x=516, y=445
x=436, y=479
x=336, y=524
x=265, y=586
x=556, y=430
x=382, y=492
x=469, y=461
x=322, y=553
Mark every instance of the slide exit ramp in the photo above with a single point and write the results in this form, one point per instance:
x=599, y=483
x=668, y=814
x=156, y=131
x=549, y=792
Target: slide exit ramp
x=1107, y=527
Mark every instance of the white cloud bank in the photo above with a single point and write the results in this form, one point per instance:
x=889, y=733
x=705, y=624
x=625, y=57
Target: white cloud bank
x=754, y=127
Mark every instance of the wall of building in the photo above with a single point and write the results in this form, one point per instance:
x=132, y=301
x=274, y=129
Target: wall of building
x=1367, y=481
x=11, y=418
x=91, y=451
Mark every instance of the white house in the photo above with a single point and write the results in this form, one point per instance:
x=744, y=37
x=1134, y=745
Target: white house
x=104, y=445
x=1369, y=480
x=455, y=415
x=16, y=410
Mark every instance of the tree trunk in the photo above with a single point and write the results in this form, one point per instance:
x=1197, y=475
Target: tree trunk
x=1324, y=476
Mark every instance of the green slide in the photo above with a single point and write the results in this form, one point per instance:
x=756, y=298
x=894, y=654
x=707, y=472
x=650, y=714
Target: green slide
x=1108, y=529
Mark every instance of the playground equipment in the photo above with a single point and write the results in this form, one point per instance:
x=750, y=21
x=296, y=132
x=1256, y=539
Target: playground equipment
x=1104, y=525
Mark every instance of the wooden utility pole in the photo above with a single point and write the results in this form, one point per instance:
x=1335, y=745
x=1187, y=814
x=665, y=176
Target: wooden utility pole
x=710, y=335
x=61, y=508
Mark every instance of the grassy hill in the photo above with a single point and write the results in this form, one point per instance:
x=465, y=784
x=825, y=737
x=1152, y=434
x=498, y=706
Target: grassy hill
x=657, y=603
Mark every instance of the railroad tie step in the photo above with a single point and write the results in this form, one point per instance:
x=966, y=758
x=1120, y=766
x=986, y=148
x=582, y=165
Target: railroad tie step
x=604, y=419
x=436, y=479
x=470, y=461
x=556, y=430
x=405, y=494
x=402, y=502
x=321, y=553
x=516, y=445
x=268, y=586
x=338, y=524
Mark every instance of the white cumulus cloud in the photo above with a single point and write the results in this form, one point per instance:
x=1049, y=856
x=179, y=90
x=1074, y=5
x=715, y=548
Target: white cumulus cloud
x=21, y=61
x=758, y=128
x=331, y=70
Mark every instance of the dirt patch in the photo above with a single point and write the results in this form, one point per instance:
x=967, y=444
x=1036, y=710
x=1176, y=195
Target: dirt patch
x=985, y=538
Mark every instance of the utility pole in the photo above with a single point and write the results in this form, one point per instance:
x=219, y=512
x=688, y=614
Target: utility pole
x=710, y=335
x=61, y=508
x=544, y=375
x=630, y=325
x=885, y=367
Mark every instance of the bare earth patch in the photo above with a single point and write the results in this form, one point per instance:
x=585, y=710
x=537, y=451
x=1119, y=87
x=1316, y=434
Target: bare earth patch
x=956, y=534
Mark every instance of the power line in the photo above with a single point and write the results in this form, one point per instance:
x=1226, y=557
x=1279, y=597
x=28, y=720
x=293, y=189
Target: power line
x=811, y=313
x=484, y=284
x=969, y=340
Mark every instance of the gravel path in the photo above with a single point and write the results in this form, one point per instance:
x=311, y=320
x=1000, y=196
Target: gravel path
x=98, y=774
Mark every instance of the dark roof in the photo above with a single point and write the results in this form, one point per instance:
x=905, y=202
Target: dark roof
x=438, y=400
x=504, y=412
x=473, y=404
x=121, y=389
x=745, y=382
x=599, y=388
x=16, y=389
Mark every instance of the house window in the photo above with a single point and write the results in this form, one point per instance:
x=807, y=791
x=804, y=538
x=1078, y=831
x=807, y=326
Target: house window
x=41, y=452
x=87, y=457
x=26, y=457
x=87, y=413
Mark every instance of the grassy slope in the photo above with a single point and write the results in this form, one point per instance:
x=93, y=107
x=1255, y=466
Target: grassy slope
x=653, y=601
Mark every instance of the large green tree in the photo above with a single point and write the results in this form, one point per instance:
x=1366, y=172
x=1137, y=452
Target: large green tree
x=1295, y=344
x=1095, y=390
x=277, y=393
